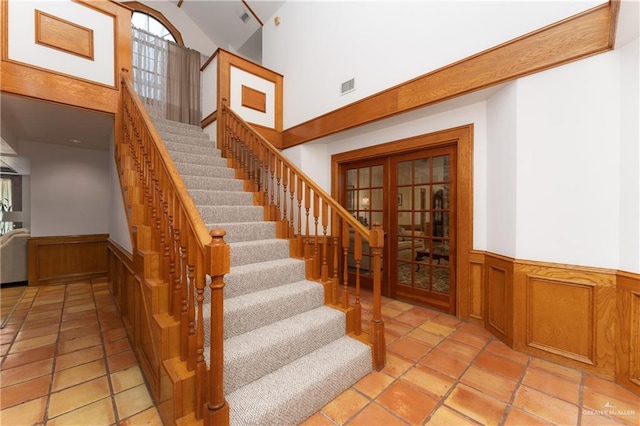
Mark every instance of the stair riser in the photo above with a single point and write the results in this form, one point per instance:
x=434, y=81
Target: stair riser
x=239, y=284
x=222, y=198
x=192, y=149
x=213, y=184
x=206, y=160
x=187, y=169
x=221, y=214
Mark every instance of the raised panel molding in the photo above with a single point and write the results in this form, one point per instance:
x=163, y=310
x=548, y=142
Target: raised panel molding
x=254, y=99
x=471, y=305
x=627, y=341
x=560, y=318
x=499, y=296
x=63, y=35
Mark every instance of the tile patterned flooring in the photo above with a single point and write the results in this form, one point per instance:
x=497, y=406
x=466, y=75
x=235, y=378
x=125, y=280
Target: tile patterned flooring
x=66, y=361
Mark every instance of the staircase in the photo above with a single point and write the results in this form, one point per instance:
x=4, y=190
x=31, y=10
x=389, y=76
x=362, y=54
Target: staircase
x=285, y=354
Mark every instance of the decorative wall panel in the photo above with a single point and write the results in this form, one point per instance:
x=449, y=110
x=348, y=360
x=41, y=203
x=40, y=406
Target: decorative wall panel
x=64, y=35
x=240, y=79
x=60, y=53
x=627, y=342
x=254, y=99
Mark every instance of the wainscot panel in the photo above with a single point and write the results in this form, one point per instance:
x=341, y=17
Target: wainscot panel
x=627, y=343
x=59, y=259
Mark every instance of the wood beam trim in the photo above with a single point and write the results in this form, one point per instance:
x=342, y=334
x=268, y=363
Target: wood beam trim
x=574, y=38
x=253, y=13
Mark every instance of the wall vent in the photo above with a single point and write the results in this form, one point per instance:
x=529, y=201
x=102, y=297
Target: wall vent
x=348, y=86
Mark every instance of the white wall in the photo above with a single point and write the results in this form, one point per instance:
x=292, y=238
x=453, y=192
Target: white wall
x=630, y=157
x=568, y=157
x=118, y=225
x=70, y=189
x=382, y=44
x=501, y=171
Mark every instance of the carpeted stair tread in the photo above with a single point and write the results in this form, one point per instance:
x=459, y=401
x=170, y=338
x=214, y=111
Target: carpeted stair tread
x=252, y=277
x=193, y=149
x=205, y=159
x=188, y=141
x=247, y=252
x=219, y=214
x=215, y=184
x=246, y=231
x=254, y=310
x=187, y=169
x=252, y=355
x=294, y=392
x=175, y=124
x=221, y=198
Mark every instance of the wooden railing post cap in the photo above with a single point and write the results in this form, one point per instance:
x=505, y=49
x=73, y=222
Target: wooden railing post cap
x=217, y=234
x=377, y=235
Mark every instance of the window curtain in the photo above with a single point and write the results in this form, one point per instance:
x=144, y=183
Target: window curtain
x=166, y=76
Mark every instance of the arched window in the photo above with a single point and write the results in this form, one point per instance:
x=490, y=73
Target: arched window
x=150, y=20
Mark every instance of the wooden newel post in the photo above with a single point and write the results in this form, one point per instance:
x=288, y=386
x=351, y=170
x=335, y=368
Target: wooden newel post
x=376, y=243
x=216, y=409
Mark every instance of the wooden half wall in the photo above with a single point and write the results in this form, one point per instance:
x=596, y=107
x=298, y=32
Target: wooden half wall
x=583, y=317
x=61, y=259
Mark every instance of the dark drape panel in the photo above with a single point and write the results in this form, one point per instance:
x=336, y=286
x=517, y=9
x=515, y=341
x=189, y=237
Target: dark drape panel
x=183, y=85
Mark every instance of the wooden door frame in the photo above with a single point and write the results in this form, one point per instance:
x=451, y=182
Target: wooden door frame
x=463, y=138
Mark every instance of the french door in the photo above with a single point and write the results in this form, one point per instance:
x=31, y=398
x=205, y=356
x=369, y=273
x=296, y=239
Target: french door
x=422, y=227
x=413, y=196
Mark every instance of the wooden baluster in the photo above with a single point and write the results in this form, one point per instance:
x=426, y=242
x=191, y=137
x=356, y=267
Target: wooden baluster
x=325, y=223
x=376, y=242
x=175, y=254
x=357, y=255
x=283, y=203
x=201, y=366
x=191, y=290
x=184, y=290
x=272, y=168
x=334, y=241
x=173, y=303
x=216, y=409
x=299, y=230
x=316, y=253
x=345, y=262
x=292, y=190
x=307, y=206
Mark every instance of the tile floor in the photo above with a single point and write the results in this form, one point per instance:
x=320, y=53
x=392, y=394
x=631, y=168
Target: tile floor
x=66, y=361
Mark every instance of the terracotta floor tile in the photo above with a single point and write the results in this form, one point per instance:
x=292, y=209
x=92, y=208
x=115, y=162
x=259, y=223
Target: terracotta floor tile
x=114, y=334
x=609, y=406
x=409, y=348
x=447, y=320
x=429, y=381
x=110, y=325
x=425, y=337
x=51, y=316
x=345, y=406
x=517, y=417
x=117, y=346
x=497, y=364
x=388, y=313
x=89, y=330
x=78, y=396
x=445, y=416
x=25, y=391
x=133, y=401
x=553, y=385
x=373, y=383
x=4, y=349
x=444, y=362
x=88, y=315
x=121, y=361
x=406, y=402
x=97, y=413
x=472, y=403
x=68, y=346
x=28, y=356
x=558, y=370
x=590, y=418
x=458, y=350
x=475, y=329
x=374, y=414
x=490, y=383
x=78, y=374
x=397, y=328
x=83, y=322
x=607, y=387
x=414, y=317
x=85, y=307
x=25, y=372
x=37, y=332
x=78, y=301
x=471, y=339
x=29, y=413
x=147, y=417
x=396, y=365
x=399, y=305
x=126, y=379
x=33, y=343
x=435, y=328
x=318, y=419
x=499, y=348
x=542, y=405
x=79, y=357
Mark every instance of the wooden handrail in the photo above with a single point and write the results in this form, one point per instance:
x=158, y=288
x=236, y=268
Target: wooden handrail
x=171, y=228
x=283, y=189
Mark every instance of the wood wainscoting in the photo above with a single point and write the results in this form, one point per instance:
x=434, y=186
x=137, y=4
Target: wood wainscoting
x=53, y=260
x=582, y=317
